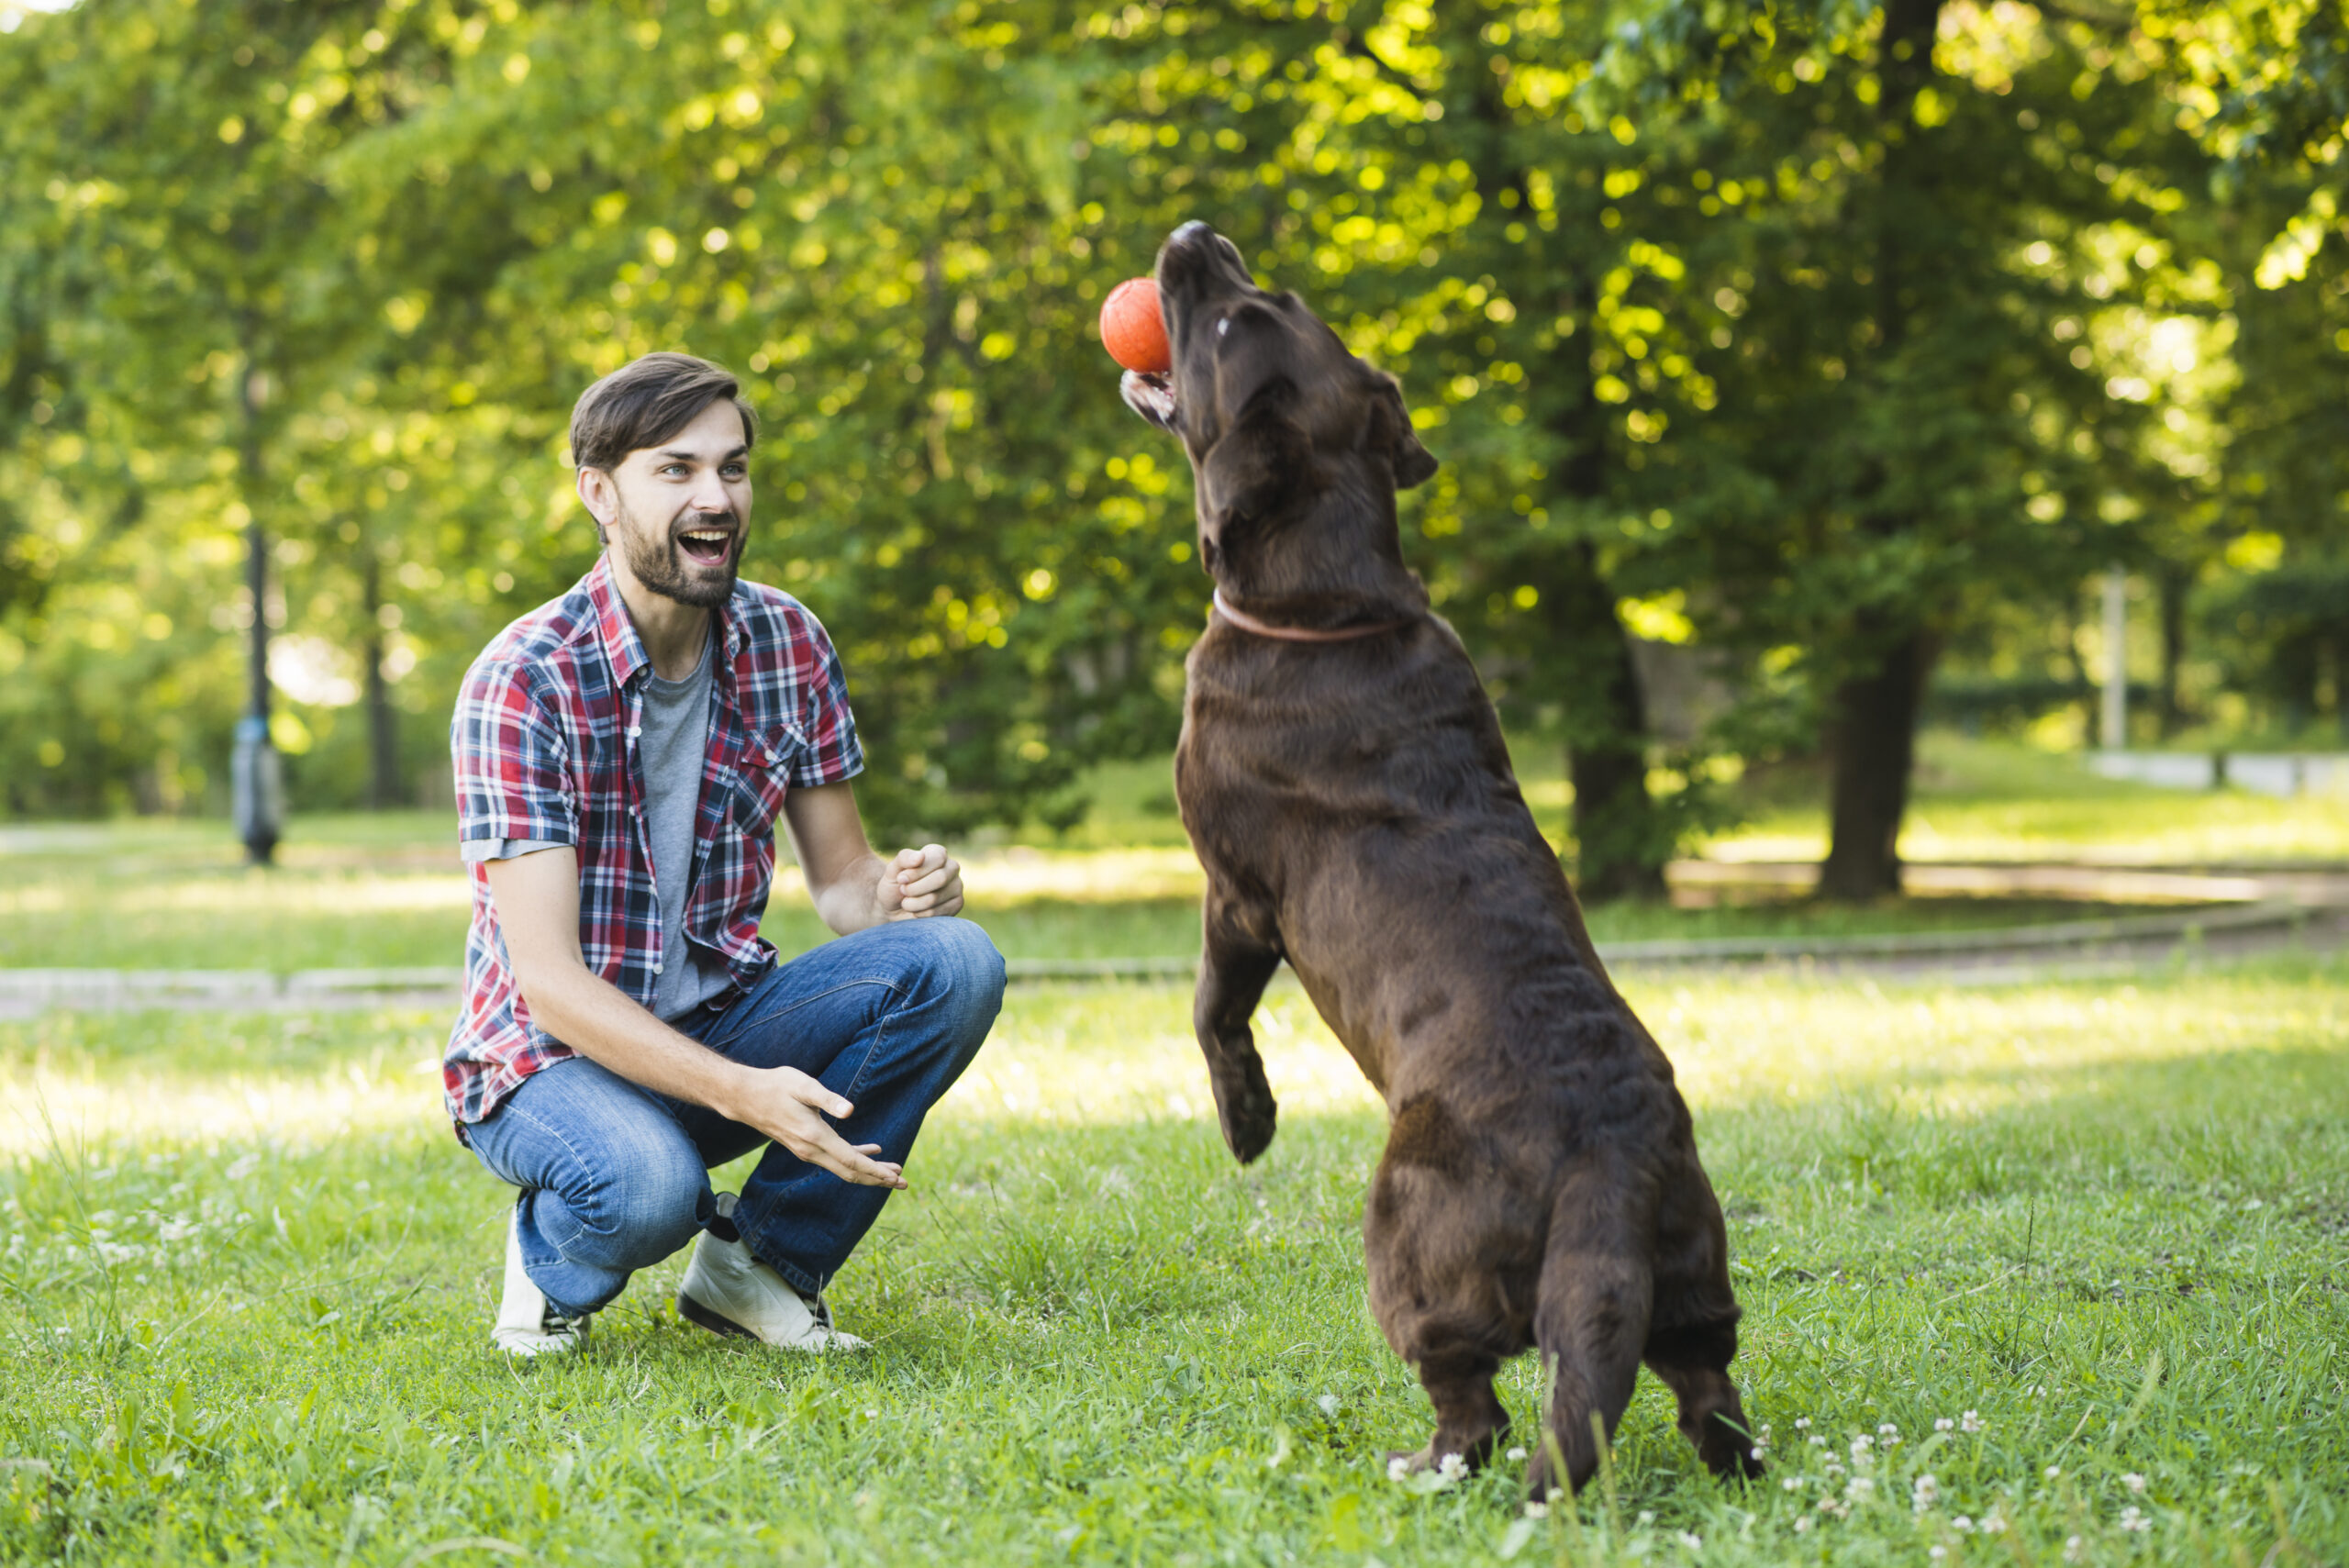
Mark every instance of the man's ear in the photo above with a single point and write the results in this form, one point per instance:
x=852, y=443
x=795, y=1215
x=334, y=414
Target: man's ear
x=1391, y=435
x=596, y=493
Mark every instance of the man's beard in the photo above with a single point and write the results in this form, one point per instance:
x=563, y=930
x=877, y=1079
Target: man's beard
x=660, y=562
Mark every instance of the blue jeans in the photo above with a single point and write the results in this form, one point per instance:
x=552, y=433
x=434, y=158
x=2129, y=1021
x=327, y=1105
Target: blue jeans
x=616, y=1177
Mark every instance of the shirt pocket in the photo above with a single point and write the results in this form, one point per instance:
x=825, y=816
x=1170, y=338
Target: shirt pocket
x=764, y=777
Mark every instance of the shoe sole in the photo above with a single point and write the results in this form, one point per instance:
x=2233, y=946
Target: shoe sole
x=693, y=1311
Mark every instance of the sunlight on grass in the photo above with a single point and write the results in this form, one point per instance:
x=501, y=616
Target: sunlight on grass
x=244, y=1288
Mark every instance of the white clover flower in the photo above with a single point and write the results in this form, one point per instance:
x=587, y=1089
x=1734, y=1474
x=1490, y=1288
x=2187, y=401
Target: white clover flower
x=1924, y=1492
x=1961, y=1523
x=1938, y=1552
x=2135, y=1482
x=1791, y=1484
x=1886, y=1429
x=1647, y=1515
x=1537, y=1510
x=1970, y=1422
x=1802, y=1525
x=2072, y=1544
x=1515, y=1455
x=1757, y=1451
x=1816, y=1440
x=1452, y=1467
x=1397, y=1468
x=1690, y=1540
x=1861, y=1444
x=2134, y=1518
x=2054, y=1472
x=1993, y=1523
x=1859, y=1488
x=1942, y=1423
x=1801, y=1421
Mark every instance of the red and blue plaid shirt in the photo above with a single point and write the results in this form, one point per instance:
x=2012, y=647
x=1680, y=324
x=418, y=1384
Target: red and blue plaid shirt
x=545, y=746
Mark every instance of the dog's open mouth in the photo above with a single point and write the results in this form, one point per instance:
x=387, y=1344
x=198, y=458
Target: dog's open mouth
x=1150, y=395
x=707, y=546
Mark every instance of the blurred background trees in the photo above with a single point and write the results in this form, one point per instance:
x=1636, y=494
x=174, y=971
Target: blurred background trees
x=1795, y=370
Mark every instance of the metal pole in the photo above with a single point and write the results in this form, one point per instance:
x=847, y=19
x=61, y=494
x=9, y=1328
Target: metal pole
x=2115, y=726
x=253, y=771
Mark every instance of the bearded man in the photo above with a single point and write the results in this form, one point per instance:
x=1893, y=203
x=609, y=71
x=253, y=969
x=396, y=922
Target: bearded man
x=623, y=757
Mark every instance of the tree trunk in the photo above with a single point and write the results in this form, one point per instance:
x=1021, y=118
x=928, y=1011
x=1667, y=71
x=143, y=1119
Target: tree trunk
x=1621, y=846
x=384, y=792
x=1871, y=729
x=2171, y=587
x=1871, y=749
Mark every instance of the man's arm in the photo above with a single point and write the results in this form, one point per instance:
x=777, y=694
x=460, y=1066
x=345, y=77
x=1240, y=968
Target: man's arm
x=851, y=886
x=537, y=896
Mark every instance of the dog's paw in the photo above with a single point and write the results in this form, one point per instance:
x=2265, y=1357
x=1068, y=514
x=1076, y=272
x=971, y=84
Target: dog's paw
x=1249, y=1113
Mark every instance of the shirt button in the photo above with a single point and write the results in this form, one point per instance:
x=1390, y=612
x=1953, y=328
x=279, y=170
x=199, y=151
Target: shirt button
x=656, y=969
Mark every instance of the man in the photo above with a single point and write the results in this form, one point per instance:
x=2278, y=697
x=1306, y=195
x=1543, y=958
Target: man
x=623, y=756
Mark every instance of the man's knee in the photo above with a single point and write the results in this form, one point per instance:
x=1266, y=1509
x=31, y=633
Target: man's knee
x=954, y=965
x=967, y=962
x=644, y=1204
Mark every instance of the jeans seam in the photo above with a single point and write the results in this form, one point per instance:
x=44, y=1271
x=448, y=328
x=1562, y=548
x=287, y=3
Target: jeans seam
x=718, y=1042
x=578, y=1162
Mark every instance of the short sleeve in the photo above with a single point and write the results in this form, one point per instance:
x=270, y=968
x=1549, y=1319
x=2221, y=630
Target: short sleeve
x=473, y=852
x=511, y=762
x=832, y=752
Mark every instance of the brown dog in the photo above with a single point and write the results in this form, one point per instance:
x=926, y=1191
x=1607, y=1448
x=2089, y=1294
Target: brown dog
x=1343, y=779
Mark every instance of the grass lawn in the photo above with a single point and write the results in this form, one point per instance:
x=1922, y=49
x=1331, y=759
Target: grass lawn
x=2099, y=1230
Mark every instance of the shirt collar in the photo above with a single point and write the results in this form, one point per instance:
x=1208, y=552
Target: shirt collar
x=617, y=631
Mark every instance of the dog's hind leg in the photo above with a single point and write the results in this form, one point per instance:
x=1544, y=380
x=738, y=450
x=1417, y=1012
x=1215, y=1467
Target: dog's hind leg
x=1234, y=966
x=1434, y=1227
x=1694, y=1334
x=1591, y=1321
x=1694, y=1361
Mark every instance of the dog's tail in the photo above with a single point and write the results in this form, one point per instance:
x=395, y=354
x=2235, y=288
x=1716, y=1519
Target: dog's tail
x=1591, y=1323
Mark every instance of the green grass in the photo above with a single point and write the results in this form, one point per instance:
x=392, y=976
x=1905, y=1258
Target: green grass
x=245, y=1279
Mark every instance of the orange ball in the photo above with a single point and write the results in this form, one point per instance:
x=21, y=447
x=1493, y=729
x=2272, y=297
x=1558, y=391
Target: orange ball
x=1132, y=328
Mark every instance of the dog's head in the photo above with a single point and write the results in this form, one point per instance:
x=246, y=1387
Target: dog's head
x=1278, y=419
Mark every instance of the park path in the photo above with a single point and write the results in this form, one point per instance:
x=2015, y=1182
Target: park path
x=2220, y=914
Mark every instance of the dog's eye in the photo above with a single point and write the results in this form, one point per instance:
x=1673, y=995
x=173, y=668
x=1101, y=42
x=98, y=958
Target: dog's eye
x=1223, y=326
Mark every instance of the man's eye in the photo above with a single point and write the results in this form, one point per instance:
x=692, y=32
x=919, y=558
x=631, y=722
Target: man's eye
x=735, y=471
x=671, y=470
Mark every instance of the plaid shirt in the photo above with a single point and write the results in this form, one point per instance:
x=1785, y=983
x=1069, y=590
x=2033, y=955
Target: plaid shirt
x=545, y=746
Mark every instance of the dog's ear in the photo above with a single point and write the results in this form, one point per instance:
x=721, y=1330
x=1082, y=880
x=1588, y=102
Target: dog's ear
x=1391, y=434
x=1260, y=462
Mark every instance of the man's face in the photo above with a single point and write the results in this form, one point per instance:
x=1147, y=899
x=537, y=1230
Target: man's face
x=679, y=513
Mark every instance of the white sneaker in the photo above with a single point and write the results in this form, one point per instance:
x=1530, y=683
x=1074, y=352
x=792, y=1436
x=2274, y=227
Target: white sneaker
x=528, y=1323
x=729, y=1292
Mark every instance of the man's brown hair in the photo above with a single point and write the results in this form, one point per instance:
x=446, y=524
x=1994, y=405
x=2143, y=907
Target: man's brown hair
x=647, y=400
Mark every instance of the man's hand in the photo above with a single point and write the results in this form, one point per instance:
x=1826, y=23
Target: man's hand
x=920, y=881
x=789, y=1106
x=851, y=886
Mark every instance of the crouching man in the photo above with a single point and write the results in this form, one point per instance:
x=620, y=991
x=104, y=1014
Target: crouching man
x=623, y=757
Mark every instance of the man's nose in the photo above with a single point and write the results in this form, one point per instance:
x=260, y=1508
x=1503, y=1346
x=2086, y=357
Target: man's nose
x=709, y=494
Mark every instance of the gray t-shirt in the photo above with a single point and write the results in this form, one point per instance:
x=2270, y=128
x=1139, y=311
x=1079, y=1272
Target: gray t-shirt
x=671, y=748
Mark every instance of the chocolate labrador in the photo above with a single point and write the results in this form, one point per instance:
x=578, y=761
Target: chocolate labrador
x=1343, y=779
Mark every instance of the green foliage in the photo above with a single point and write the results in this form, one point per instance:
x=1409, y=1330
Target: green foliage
x=1758, y=337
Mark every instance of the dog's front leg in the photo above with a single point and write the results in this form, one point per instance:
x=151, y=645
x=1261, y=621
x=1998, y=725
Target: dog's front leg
x=1237, y=961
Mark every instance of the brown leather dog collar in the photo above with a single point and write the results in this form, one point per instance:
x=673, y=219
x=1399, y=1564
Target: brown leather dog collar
x=1246, y=622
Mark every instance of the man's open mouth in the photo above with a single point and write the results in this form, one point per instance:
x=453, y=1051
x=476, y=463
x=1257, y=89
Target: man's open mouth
x=708, y=546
